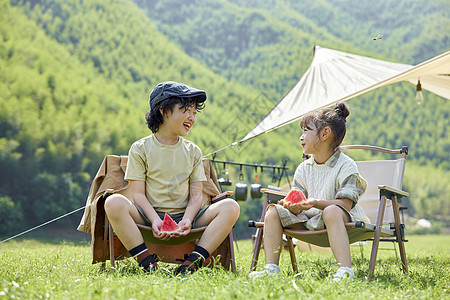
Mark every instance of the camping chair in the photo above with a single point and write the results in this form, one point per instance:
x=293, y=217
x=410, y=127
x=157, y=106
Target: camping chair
x=109, y=180
x=384, y=183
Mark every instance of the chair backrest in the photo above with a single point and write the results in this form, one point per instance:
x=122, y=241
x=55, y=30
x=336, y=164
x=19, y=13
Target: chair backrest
x=380, y=172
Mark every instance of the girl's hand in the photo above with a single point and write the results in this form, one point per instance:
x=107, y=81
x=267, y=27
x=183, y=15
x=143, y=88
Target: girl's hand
x=293, y=208
x=296, y=208
x=185, y=225
x=310, y=202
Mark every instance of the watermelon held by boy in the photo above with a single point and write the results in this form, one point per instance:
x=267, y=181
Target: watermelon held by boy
x=295, y=196
x=169, y=225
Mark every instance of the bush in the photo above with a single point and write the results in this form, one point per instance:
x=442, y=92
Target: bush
x=10, y=215
x=436, y=228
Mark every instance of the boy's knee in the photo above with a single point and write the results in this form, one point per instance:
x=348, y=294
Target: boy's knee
x=114, y=203
x=232, y=207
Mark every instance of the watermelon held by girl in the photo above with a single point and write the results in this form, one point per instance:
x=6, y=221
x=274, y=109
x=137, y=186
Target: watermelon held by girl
x=295, y=196
x=169, y=225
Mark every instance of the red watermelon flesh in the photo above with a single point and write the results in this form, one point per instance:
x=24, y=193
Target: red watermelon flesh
x=169, y=225
x=295, y=196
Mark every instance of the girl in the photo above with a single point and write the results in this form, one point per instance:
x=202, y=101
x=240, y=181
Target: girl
x=331, y=183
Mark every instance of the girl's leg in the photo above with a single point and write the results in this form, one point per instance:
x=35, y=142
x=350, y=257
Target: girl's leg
x=273, y=231
x=123, y=216
x=335, y=218
x=219, y=218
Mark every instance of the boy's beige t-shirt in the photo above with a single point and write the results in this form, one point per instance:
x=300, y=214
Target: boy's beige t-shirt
x=167, y=171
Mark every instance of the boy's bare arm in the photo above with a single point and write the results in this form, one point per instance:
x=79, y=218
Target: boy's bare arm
x=195, y=201
x=138, y=191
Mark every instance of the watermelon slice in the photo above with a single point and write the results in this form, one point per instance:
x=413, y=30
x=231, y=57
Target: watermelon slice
x=295, y=196
x=169, y=225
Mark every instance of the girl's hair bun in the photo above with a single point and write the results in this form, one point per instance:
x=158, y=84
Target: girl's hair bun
x=342, y=110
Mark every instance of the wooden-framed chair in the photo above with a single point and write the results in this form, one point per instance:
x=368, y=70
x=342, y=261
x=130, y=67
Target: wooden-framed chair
x=106, y=245
x=380, y=202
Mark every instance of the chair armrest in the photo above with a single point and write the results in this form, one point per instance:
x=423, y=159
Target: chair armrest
x=274, y=196
x=254, y=224
x=221, y=196
x=390, y=191
x=274, y=192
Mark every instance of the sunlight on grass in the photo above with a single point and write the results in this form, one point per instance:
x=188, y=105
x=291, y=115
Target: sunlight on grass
x=31, y=269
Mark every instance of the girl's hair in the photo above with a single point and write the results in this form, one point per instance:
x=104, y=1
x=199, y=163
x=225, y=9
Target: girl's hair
x=334, y=118
x=154, y=118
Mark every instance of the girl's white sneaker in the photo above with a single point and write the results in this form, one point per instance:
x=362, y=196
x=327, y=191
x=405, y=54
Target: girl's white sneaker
x=269, y=269
x=344, y=272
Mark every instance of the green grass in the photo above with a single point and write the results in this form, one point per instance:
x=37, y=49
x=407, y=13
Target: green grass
x=31, y=269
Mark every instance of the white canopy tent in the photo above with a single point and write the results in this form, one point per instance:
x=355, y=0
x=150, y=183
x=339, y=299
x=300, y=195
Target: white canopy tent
x=335, y=76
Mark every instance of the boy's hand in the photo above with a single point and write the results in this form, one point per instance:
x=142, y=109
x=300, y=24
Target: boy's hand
x=185, y=225
x=156, y=228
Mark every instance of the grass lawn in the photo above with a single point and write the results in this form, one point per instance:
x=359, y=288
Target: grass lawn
x=36, y=269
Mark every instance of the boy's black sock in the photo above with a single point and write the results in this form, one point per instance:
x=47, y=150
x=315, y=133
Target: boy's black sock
x=143, y=256
x=194, y=261
x=202, y=255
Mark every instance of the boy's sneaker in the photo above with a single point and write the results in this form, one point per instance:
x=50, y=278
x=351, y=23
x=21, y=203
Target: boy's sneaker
x=343, y=273
x=191, y=263
x=184, y=270
x=269, y=269
x=152, y=268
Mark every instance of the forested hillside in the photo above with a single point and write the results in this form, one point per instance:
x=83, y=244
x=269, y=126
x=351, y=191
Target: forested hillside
x=75, y=77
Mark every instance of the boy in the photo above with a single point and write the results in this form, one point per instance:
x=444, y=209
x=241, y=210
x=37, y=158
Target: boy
x=165, y=173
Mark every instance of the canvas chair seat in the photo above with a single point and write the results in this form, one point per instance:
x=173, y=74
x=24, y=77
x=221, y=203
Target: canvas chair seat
x=380, y=202
x=357, y=231
x=105, y=244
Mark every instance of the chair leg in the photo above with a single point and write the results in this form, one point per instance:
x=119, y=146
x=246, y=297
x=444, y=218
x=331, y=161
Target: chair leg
x=361, y=249
x=233, y=258
x=401, y=244
x=292, y=254
x=111, y=246
x=258, y=240
x=105, y=241
x=376, y=238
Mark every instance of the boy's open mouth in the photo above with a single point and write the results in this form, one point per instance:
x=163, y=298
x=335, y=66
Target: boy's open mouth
x=187, y=126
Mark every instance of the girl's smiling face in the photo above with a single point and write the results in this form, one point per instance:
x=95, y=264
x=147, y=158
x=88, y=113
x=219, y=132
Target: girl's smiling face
x=309, y=139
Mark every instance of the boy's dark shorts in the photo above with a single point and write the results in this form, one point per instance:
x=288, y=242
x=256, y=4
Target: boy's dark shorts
x=176, y=217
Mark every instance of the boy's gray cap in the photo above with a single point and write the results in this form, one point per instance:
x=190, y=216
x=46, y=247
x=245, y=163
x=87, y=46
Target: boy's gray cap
x=167, y=89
